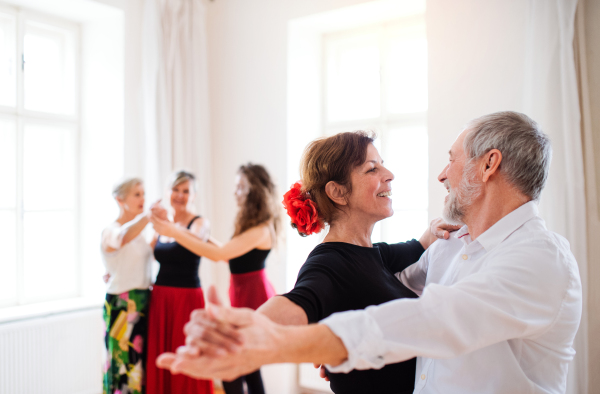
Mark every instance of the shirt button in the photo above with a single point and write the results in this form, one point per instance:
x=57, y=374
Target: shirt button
x=423, y=377
x=464, y=256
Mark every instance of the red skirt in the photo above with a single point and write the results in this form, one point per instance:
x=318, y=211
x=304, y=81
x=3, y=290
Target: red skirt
x=250, y=290
x=170, y=309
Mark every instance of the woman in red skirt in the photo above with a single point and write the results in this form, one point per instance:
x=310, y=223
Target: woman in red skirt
x=255, y=234
x=176, y=292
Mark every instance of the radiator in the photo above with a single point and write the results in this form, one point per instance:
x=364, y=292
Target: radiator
x=59, y=354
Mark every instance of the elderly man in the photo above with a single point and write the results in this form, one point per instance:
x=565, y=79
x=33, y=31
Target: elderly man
x=500, y=300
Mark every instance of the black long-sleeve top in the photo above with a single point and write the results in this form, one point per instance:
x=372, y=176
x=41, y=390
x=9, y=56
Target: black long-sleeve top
x=338, y=277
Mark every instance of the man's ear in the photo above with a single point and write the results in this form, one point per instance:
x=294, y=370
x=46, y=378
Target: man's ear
x=491, y=164
x=336, y=193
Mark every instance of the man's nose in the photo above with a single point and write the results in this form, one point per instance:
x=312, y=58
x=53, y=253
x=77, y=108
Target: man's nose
x=442, y=177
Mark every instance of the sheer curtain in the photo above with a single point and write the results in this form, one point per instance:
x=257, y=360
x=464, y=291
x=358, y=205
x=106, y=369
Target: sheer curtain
x=552, y=99
x=175, y=101
x=514, y=55
x=175, y=95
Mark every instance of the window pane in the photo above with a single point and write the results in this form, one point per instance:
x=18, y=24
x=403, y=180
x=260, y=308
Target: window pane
x=8, y=261
x=406, y=156
x=49, y=167
x=406, y=81
x=8, y=164
x=49, y=69
x=8, y=64
x=50, y=269
x=353, y=78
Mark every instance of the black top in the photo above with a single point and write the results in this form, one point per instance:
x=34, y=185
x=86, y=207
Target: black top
x=252, y=261
x=178, y=266
x=338, y=277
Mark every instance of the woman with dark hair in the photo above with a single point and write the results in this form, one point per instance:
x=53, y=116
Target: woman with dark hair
x=344, y=185
x=256, y=229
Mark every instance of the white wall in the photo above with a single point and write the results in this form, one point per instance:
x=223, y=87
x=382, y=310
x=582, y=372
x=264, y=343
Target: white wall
x=464, y=82
x=247, y=53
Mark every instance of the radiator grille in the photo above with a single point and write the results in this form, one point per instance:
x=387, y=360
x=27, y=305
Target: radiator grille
x=59, y=354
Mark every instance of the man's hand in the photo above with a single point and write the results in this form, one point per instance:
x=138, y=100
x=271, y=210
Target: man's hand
x=224, y=343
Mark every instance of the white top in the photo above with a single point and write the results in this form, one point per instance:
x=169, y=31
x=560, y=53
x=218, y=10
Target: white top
x=495, y=315
x=130, y=266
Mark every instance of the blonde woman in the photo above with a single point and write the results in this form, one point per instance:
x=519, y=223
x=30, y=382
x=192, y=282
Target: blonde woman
x=177, y=290
x=127, y=258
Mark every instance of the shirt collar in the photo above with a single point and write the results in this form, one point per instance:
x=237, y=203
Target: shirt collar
x=464, y=230
x=504, y=227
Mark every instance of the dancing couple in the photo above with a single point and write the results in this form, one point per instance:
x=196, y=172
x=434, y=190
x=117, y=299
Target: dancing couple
x=492, y=308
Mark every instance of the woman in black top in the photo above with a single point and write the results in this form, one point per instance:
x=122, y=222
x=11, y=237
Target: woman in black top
x=344, y=179
x=345, y=186
x=176, y=292
x=255, y=234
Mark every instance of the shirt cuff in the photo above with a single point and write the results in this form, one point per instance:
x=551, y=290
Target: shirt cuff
x=362, y=338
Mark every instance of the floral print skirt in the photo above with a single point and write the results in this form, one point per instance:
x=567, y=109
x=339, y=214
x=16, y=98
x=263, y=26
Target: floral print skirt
x=126, y=319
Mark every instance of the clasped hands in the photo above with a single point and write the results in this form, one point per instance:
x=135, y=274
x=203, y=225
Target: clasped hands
x=158, y=216
x=224, y=343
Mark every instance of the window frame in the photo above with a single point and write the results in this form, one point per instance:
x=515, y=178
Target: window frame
x=386, y=122
x=21, y=116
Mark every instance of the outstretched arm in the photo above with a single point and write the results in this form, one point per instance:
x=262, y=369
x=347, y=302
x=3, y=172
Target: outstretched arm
x=508, y=299
x=236, y=247
x=128, y=232
x=251, y=340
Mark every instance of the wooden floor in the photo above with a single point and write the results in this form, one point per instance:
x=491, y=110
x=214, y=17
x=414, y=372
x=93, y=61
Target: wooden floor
x=219, y=391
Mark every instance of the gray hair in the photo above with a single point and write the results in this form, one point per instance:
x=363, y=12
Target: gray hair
x=123, y=188
x=526, y=150
x=182, y=176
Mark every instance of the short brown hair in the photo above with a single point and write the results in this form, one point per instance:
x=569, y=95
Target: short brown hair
x=259, y=206
x=332, y=159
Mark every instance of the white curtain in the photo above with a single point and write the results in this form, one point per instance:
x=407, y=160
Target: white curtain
x=494, y=55
x=175, y=101
x=552, y=99
x=175, y=95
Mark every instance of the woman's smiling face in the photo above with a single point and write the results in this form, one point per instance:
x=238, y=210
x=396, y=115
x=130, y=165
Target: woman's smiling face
x=181, y=194
x=371, y=188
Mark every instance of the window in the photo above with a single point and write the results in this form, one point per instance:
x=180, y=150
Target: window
x=376, y=79
x=39, y=129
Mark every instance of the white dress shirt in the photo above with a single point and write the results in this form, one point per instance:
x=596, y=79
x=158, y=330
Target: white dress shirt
x=495, y=315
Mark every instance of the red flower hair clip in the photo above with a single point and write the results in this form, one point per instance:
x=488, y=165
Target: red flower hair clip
x=302, y=210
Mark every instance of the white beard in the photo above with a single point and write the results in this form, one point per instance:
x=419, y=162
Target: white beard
x=453, y=210
x=461, y=197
